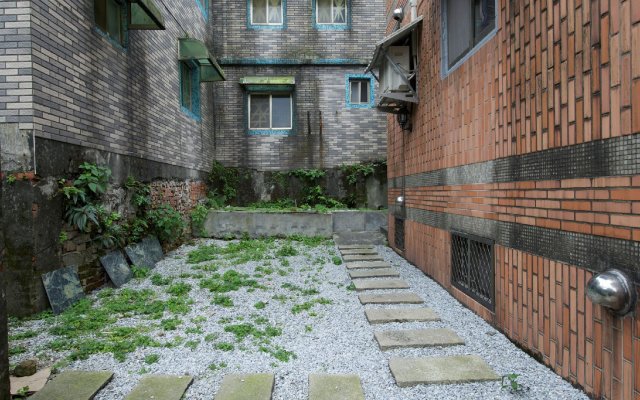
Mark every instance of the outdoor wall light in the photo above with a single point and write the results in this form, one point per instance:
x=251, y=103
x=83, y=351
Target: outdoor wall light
x=403, y=121
x=614, y=290
x=398, y=14
x=400, y=200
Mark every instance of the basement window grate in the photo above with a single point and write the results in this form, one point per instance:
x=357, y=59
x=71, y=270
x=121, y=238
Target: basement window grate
x=472, y=268
x=399, y=234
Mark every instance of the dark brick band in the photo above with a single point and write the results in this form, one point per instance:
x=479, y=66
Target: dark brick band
x=611, y=157
x=594, y=253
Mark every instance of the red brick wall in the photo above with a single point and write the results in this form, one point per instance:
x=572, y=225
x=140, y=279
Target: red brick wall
x=556, y=74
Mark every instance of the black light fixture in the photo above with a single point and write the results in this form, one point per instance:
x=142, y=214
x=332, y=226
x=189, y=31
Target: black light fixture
x=403, y=120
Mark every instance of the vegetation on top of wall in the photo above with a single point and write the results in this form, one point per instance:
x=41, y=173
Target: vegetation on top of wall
x=225, y=182
x=355, y=172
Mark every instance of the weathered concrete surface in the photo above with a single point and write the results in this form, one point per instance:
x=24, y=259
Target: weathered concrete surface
x=362, y=257
x=16, y=149
x=335, y=387
x=246, y=386
x=76, y=385
x=417, y=338
x=160, y=387
x=357, y=251
x=374, y=284
x=373, y=273
x=367, y=264
x=388, y=315
x=354, y=246
x=369, y=237
x=391, y=298
x=440, y=370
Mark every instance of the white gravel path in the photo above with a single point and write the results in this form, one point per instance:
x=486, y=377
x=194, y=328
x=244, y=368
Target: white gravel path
x=337, y=340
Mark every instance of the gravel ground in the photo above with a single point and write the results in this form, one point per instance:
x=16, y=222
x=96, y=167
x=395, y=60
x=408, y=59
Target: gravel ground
x=329, y=338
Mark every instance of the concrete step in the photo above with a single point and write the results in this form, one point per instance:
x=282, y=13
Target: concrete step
x=417, y=338
x=362, y=257
x=367, y=264
x=391, y=298
x=373, y=284
x=360, y=238
x=76, y=385
x=440, y=370
x=335, y=387
x=355, y=246
x=246, y=387
x=160, y=387
x=373, y=273
x=388, y=315
x=357, y=251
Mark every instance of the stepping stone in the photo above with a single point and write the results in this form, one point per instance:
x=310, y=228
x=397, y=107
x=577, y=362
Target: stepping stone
x=373, y=273
x=354, y=246
x=335, y=387
x=388, y=315
x=358, y=251
x=76, y=385
x=373, y=284
x=417, y=338
x=362, y=257
x=440, y=370
x=390, y=298
x=246, y=387
x=63, y=288
x=367, y=264
x=160, y=387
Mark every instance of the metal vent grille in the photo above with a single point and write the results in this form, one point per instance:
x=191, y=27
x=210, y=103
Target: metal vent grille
x=472, y=268
x=399, y=234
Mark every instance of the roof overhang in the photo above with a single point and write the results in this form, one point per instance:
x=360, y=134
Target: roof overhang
x=268, y=83
x=196, y=50
x=145, y=15
x=392, y=40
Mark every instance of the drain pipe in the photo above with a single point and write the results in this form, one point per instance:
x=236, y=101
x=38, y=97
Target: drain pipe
x=414, y=9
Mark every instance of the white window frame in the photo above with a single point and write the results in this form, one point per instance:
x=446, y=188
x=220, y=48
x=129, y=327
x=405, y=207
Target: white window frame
x=360, y=81
x=346, y=14
x=267, y=23
x=271, y=128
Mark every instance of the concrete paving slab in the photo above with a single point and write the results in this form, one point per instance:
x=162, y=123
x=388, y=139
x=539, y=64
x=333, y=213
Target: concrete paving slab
x=246, y=387
x=160, y=387
x=362, y=257
x=417, y=338
x=354, y=246
x=367, y=264
x=358, y=251
x=76, y=385
x=390, y=298
x=440, y=370
x=335, y=387
x=373, y=273
x=388, y=315
x=373, y=284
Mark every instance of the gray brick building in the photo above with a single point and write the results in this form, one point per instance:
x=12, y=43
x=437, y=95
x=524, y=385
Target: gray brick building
x=322, y=46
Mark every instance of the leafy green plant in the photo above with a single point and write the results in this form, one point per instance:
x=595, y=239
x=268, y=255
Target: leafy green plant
x=337, y=260
x=225, y=346
x=286, y=251
x=170, y=324
x=198, y=216
x=140, y=272
x=510, y=382
x=179, y=289
x=215, y=367
x=11, y=179
x=151, y=358
x=167, y=223
x=260, y=305
x=222, y=300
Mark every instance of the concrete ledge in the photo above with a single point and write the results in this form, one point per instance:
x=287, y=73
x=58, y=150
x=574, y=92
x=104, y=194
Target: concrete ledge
x=223, y=224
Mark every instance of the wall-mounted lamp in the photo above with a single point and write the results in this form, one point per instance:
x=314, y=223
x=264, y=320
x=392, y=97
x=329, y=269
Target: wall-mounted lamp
x=403, y=120
x=398, y=14
x=614, y=290
x=400, y=200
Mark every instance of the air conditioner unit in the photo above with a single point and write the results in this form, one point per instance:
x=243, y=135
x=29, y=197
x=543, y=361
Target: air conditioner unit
x=391, y=81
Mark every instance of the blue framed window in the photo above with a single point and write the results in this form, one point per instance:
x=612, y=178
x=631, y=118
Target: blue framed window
x=204, y=7
x=266, y=14
x=190, y=89
x=468, y=25
x=270, y=113
x=111, y=17
x=359, y=89
x=332, y=14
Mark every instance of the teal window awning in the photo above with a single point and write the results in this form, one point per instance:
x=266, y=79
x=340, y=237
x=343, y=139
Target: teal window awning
x=145, y=15
x=268, y=83
x=194, y=49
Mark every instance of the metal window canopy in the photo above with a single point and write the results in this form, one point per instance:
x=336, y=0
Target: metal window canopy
x=145, y=15
x=395, y=102
x=194, y=49
x=268, y=83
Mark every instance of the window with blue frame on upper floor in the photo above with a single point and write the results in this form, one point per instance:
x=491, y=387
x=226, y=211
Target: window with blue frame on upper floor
x=266, y=12
x=204, y=7
x=190, y=89
x=359, y=91
x=331, y=13
x=110, y=18
x=270, y=113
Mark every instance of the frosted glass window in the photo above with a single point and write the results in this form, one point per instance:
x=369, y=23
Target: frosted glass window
x=266, y=12
x=331, y=11
x=270, y=111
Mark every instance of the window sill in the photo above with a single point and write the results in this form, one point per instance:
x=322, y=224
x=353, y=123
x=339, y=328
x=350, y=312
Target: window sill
x=356, y=106
x=191, y=114
x=266, y=27
x=114, y=43
x=266, y=132
x=332, y=27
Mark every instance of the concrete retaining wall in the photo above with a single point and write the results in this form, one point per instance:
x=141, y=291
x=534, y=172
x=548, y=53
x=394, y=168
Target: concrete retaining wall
x=223, y=224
